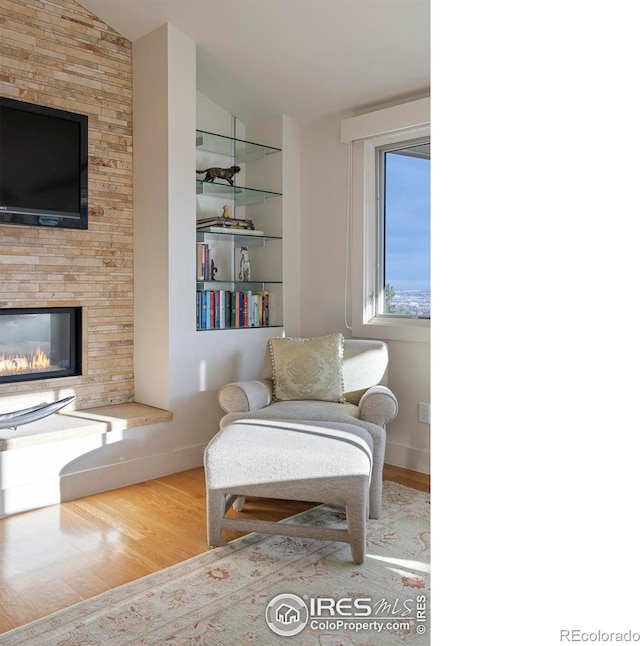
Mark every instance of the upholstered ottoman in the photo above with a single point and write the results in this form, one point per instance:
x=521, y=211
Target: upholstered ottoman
x=323, y=462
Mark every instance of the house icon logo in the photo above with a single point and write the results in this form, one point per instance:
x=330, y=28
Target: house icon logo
x=287, y=615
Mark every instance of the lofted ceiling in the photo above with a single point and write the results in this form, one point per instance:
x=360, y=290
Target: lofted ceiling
x=303, y=58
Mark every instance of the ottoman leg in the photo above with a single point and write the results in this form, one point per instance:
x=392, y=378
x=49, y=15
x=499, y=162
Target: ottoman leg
x=215, y=514
x=357, y=510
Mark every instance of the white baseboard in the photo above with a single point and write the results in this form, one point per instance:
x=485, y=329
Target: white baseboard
x=408, y=457
x=71, y=486
x=76, y=485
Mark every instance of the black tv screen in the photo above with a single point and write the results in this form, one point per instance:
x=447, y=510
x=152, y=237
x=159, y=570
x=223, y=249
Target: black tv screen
x=43, y=166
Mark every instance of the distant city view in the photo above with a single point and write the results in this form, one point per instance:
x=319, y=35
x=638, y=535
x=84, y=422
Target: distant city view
x=412, y=302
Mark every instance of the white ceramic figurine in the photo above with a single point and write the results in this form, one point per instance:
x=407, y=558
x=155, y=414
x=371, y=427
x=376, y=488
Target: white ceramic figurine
x=245, y=265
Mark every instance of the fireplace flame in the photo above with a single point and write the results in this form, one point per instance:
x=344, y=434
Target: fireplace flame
x=12, y=364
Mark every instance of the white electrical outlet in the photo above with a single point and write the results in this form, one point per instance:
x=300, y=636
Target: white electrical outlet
x=424, y=413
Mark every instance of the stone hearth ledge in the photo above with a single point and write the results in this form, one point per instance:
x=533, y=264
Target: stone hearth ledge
x=79, y=423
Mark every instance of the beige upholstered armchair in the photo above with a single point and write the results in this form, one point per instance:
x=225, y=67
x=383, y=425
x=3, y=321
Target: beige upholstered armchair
x=365, y=400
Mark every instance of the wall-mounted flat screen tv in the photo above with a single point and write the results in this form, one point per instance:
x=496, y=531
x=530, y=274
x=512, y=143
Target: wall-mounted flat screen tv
x=43, y=166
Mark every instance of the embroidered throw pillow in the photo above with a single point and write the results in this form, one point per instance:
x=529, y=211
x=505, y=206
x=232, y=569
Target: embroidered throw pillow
x=307, y=368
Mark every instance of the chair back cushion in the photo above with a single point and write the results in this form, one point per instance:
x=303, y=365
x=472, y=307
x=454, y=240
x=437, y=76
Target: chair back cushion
x=364, y=364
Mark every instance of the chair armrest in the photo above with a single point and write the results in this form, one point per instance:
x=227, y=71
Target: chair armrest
x=378, y=405
x=244, y=396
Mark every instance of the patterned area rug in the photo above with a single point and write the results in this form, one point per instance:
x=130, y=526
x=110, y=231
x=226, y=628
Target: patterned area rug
x=263, y=589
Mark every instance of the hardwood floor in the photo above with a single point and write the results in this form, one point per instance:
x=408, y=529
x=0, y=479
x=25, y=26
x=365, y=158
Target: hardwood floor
x=54, y=557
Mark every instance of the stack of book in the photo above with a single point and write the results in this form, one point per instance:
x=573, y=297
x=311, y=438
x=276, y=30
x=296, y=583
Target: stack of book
x=224, y=309
x=237, y=226
x=203, y=262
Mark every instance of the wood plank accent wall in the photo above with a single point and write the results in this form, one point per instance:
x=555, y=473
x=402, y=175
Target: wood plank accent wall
x=55, y=53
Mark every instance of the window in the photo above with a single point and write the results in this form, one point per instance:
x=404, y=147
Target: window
x=403, y=254
x=389, y=243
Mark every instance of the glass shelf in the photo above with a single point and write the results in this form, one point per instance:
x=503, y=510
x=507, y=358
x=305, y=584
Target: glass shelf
x=241, y=151
x=247, y=327
x=242, y=195
x=239, y=240
x=209, y=283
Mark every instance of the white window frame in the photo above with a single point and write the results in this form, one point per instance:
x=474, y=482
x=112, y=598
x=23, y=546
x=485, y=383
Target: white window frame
x=365, y=134
x=399, y=143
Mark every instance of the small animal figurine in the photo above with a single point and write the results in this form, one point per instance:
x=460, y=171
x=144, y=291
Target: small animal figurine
x=220, y=173
x=226, y=211
x=245, y=265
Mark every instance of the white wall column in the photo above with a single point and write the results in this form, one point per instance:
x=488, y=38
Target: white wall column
x=164, y=78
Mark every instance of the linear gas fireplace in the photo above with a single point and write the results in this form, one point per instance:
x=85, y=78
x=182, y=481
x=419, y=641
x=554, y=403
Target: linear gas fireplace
x=40, y=343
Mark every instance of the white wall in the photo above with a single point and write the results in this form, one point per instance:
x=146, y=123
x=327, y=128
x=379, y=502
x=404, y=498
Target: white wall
x=323, y=248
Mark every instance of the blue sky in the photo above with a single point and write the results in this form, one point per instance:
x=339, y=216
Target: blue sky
x=408, y=221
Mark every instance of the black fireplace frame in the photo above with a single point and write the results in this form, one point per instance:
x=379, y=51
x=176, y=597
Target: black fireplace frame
x=75, y=350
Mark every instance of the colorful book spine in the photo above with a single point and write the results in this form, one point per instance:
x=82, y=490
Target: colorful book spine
x=246, y=300
x=222, y=309
x=254, y=310
x=234, y=310
x=204, y=312
x=227, y=309
x=199, y=261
